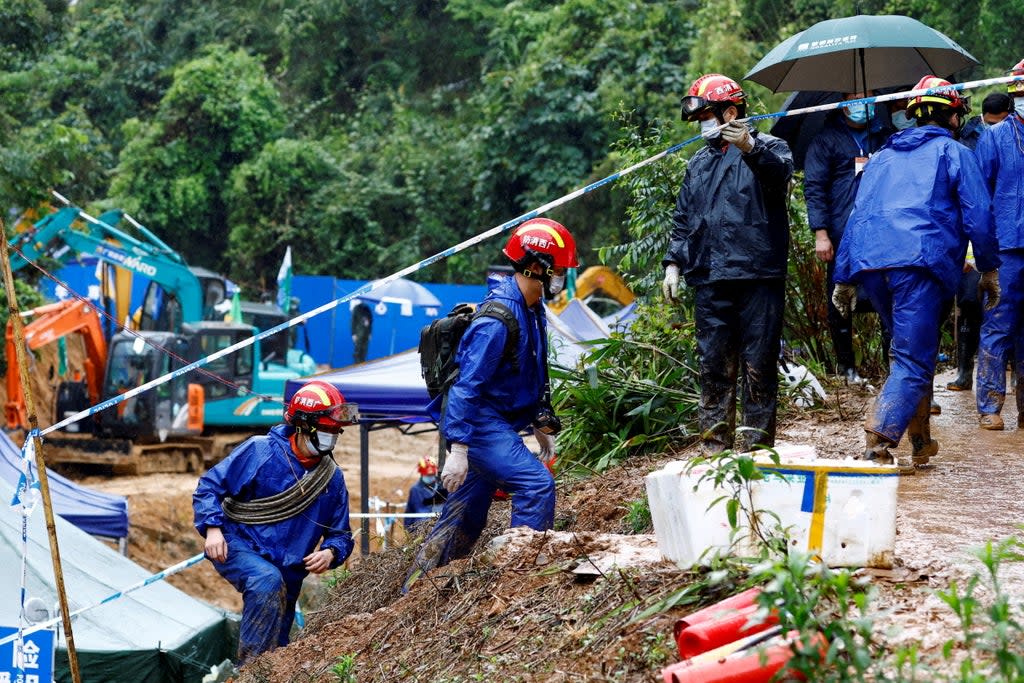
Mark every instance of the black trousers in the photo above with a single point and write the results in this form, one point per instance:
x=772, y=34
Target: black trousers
x=739, y=327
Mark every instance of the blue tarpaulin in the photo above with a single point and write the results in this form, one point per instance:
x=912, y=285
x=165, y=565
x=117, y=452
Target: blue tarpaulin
x=100, y=514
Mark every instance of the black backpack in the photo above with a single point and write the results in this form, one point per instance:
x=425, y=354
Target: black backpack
x=440, y=340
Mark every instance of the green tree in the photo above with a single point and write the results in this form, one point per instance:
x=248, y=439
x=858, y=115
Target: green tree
x=220, y=111
x=28, y=28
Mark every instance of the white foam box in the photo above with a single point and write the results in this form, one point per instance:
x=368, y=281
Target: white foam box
x=842, y=511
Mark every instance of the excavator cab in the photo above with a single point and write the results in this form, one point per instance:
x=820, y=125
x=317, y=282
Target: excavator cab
x=154, y=414
x=161, y=310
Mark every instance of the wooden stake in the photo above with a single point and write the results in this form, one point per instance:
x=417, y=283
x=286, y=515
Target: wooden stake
x=44, y=485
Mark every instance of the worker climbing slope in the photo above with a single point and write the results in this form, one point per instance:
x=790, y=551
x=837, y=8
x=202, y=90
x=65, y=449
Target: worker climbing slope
x=495, y=397
x=266, y=507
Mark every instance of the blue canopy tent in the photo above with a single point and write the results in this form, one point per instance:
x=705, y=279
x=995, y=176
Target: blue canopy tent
x=99, y=514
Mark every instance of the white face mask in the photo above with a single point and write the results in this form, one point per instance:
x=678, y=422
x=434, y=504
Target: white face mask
x=901, y=120
x=707, y=128
x=555, y=284
x=1018, y=105
x=323, y=441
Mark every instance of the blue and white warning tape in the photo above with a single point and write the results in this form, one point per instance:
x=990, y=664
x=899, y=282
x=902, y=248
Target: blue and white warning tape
x=159, y=576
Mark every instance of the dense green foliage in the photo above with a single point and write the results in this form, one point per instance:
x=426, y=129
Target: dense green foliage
x=368, y=135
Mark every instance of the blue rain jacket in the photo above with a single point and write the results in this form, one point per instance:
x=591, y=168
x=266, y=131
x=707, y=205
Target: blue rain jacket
x=1004, y=174
x=489, y=387
x=425, y=497
x=265, y=466
x=971, y=133
x=830, y=180
x=920, y=199
x=731, y=220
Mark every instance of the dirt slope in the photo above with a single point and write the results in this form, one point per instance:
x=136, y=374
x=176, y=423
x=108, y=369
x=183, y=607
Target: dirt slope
x=523, y=615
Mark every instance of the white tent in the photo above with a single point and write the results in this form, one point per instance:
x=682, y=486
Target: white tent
x=155, y=634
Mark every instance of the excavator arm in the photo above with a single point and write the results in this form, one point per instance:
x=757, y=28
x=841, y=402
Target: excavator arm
x=70, y=231
x=52, y=322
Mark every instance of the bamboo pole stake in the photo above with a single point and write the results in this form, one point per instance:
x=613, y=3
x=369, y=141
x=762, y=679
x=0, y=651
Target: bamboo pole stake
x=44, y=484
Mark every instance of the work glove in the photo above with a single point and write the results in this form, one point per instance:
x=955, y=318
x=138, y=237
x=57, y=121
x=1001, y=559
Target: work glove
x=844, y=298
x=989, y=284
x=547, y=446
x=736, y=133
x=456, y=467
x=670, y=285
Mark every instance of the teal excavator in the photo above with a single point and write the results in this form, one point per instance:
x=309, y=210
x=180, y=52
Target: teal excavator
x=195, y=419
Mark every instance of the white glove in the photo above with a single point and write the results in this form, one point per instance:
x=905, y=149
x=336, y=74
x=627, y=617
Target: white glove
x=456, y=467
x=547, y=446
x=670, y=285
x=736, y=133
x=844, y=298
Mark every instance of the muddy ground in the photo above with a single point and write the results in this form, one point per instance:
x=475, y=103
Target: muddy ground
x=524, y=615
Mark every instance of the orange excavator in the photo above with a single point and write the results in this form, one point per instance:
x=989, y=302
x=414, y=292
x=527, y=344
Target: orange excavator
x=50, y=323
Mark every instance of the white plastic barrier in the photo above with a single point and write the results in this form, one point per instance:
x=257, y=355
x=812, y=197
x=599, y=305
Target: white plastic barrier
x=842, y=511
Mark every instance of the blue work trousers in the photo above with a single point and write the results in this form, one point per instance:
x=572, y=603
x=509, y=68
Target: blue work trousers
x=269, y=594
x=498, y=459
x=1002, y=334
x=910, y=303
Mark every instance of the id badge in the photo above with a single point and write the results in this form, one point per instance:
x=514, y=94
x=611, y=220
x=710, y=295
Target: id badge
x=858, y=165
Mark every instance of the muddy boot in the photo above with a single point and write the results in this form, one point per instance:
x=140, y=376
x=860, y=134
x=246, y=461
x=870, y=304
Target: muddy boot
x=922, y=445
x=876, y=449
x=991, y=422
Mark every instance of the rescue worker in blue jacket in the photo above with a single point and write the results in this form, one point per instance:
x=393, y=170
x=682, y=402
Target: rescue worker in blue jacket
x=1001, y=154
x=920, y=200
x=835, y=159
x=266, y=508
x=427, y=495
x=729, y=241
x=994, y=108
x=495, y=397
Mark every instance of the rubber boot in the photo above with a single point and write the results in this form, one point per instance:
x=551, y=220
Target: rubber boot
x=965, y=367
x=876, y=449
x=922, y=445
x=966, y=348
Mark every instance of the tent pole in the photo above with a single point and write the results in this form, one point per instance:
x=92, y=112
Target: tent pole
x=364, y=486
x=44, y=485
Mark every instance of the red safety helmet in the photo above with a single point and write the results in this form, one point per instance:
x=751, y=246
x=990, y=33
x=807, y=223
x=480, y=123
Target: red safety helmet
x=709, y=91
x=1016, y=87
x=949, y=98
x=427, y=466
x=544, y=240
x=320, y=406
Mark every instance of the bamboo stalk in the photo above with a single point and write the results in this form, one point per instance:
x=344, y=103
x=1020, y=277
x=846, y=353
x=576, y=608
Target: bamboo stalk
x=44, y=485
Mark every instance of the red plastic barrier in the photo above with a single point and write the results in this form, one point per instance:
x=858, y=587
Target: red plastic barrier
x=711, y=633
x=725, y=608
x=749, y=666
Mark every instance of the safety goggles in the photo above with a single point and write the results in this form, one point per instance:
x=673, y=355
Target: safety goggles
x=693, y=105
x=346, y=413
